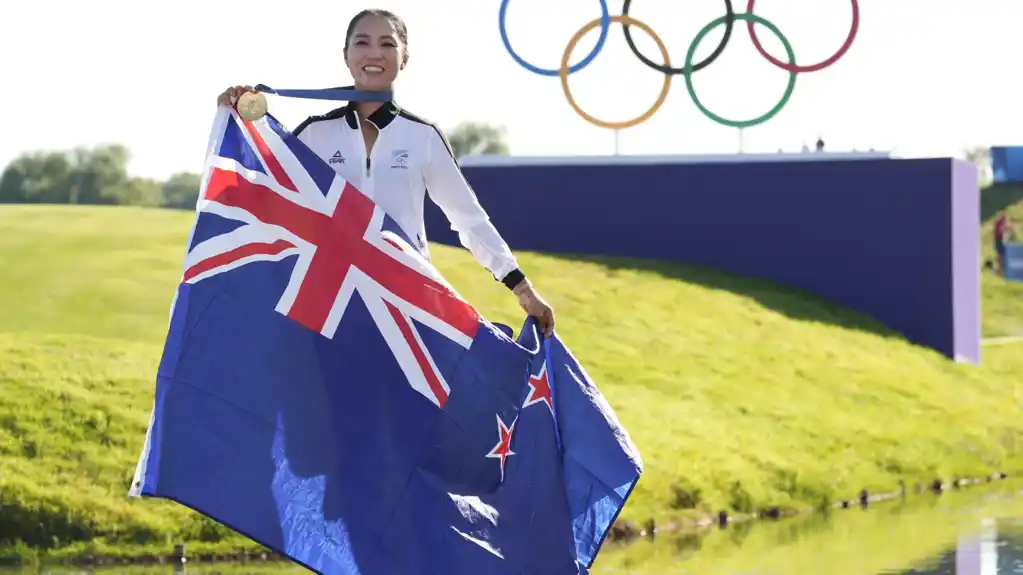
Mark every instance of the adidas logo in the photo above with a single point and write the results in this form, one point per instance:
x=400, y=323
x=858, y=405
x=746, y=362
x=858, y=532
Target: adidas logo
x=337, y=158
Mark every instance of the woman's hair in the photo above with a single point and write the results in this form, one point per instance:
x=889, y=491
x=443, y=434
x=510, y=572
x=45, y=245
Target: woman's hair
x=394, y=19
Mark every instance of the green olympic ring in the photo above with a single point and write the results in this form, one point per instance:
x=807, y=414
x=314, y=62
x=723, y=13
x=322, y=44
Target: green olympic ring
x=687, y=71
x=688, y=67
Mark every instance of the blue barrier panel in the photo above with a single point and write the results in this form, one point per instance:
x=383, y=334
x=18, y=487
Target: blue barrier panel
x=1007, y=164
x=898, y=240
x=1014, y=262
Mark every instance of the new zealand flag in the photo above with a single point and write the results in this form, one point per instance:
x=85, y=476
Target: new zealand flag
x=324, y=391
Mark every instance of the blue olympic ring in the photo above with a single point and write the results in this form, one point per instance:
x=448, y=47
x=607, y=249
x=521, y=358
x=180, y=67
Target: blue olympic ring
x=605, y=26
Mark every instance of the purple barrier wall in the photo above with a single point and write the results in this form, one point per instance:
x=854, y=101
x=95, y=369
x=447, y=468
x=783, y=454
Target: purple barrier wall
x=897, y=240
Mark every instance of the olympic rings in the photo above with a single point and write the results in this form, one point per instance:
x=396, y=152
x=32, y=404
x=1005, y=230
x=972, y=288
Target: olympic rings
x=676, y=71
x=623, y=20
x=791, y=67
x=605, y=25
x=750, y=19
x=688, y=67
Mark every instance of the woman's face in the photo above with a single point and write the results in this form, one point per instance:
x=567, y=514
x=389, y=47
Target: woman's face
x=375, y=54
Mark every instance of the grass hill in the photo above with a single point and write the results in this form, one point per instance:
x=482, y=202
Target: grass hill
x=735, y=400
x=1003, y=301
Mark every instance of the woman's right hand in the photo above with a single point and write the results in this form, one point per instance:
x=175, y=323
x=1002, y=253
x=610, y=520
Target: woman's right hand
x=229, y=96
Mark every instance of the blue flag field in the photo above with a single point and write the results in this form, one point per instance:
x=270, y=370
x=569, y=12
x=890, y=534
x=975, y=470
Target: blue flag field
x=324, y=391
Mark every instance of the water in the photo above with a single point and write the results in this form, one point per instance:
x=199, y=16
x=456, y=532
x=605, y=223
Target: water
x=978, y=531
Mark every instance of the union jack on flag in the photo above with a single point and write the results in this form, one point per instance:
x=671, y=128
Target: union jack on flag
x=324, y=391
x=291, y=204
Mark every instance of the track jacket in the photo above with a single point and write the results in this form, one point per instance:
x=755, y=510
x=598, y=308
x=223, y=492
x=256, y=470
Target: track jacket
x=409, y=157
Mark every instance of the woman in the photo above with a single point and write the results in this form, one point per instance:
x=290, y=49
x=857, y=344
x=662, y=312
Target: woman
x=394, y=157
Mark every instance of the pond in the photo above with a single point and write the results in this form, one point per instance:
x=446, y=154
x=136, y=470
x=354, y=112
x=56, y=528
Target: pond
x=977, y=531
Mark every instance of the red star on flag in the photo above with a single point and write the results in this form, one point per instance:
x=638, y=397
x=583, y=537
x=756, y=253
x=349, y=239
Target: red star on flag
x=503, y=448
x=540, y=390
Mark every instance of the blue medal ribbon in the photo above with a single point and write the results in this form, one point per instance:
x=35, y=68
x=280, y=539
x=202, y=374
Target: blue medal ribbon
x=343, y=94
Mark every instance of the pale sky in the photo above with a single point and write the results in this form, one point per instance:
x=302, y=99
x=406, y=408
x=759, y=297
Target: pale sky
x=923, y=77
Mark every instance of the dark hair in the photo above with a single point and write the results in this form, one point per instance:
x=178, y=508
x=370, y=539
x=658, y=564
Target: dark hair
x=394, y=19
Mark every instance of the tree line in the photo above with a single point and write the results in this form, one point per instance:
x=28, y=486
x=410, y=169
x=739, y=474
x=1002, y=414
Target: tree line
x=99, y=175
x=96, y=175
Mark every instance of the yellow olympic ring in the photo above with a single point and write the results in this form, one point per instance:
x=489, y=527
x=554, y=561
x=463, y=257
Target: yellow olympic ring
x=563, y=73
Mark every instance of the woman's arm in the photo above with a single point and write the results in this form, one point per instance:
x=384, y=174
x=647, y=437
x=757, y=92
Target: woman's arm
x=449, y=190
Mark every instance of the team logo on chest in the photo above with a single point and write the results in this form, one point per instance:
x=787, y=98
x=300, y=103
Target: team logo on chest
x=399, y=160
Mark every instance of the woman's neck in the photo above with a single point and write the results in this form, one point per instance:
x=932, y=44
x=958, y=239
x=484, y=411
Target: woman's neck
x=366, y=109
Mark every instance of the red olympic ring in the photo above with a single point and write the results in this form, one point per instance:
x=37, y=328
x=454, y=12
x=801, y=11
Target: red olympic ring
x=814, y=67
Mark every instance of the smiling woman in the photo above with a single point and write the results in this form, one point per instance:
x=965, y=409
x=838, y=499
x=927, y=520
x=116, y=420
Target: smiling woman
x=394, y=157
x=376, y=48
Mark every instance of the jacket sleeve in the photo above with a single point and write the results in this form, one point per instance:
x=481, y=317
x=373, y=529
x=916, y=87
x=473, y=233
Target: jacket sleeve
x=449, y=190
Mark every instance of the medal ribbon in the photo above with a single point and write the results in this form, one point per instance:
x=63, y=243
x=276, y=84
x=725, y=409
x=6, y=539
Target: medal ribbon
x=344, y=94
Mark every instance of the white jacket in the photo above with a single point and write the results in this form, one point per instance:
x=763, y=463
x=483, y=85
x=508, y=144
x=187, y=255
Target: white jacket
x=409, y=157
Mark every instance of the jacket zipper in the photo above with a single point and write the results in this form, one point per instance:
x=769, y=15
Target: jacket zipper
x=362, y=143
x=369, y=153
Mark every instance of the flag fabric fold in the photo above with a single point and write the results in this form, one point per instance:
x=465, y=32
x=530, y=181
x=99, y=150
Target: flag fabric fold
x=324, y=391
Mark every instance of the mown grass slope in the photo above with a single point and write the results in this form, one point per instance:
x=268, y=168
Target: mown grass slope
x=1002, y=300
x=739, y=396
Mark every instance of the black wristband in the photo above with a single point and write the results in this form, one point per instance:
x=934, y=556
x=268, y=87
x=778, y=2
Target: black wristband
x=513, y=278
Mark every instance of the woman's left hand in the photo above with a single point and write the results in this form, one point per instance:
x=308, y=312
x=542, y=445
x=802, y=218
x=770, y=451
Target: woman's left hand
x=534, y=305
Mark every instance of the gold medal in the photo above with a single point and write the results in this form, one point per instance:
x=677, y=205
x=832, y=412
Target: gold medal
x=252, y=106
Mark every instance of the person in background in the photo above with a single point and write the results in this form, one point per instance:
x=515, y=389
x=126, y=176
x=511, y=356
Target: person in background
x=396, y=157
x=1001, y=236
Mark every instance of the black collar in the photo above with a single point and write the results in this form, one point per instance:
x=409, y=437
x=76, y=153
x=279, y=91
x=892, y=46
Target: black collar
x=381, y=118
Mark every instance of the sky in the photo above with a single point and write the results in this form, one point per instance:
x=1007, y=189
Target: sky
x=922, y=78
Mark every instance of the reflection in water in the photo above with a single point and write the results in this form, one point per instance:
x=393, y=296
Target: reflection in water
x=177, y=569
x=995, y=549
x=974, y=532
x=978, y=555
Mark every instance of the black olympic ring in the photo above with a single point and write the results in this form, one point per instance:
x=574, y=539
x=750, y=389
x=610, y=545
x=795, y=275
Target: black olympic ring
x=730, y=20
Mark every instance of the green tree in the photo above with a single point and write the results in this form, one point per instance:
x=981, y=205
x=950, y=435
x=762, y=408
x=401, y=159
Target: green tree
x=80, y=176
x=36, y=177
x=134, y=192
x=98, y=176
x=181, y=191
x=476, y=138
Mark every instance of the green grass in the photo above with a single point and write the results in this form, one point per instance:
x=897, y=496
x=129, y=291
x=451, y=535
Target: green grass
x=739, y=394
